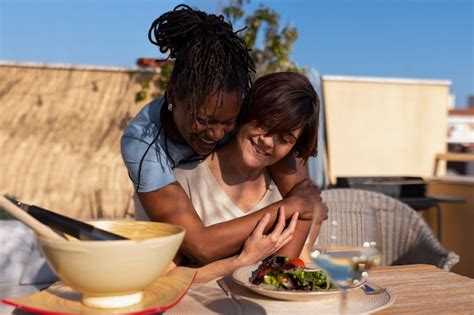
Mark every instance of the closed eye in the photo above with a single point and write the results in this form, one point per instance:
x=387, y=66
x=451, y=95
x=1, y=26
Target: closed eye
x=205, y=121
x=201, y=120
x=287, y=138
x=283, y=139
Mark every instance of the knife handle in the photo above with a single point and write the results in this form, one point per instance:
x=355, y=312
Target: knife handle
x=75, y=228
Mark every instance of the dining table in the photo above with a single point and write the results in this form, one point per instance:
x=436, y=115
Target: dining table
x=415, y=289
x=409, y=289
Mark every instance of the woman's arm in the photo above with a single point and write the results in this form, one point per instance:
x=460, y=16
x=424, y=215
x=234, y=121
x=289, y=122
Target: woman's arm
x=305, y=253
x=295, y=248
x=206, y=244
x=287, y=173
x=257, y=247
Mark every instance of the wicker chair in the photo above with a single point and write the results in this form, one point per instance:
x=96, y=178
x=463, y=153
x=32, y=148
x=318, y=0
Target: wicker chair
x=405, y=236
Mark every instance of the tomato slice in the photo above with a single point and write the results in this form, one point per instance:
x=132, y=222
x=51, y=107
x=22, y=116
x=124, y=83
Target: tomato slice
x=297, y=262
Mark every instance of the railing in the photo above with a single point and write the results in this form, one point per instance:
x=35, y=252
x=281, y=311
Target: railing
x=453, y=157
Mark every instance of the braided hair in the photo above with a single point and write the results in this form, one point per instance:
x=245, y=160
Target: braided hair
x=209, y=56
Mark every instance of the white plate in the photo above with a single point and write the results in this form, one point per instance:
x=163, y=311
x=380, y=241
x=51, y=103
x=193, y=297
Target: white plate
x=241, y=276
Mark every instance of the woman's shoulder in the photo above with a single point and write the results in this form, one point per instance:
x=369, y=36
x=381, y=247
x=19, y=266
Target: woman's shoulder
x=191, y=175
x=194, y=168
x=145, y=126
x=147, y=117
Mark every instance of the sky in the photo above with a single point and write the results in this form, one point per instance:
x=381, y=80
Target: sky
x=415, y=39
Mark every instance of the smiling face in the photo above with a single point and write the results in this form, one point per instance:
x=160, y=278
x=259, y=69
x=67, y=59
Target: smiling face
x=259, y=149
x=284, y=102
x=214, y=119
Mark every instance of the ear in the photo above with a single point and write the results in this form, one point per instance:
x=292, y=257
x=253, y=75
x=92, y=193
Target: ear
x=170, y=95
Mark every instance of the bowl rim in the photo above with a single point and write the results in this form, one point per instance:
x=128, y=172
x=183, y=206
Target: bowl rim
x=110, y=242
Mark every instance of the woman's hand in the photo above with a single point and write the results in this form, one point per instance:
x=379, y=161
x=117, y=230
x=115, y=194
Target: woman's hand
x=304, y=197
x=320, y=212
x=259, y=246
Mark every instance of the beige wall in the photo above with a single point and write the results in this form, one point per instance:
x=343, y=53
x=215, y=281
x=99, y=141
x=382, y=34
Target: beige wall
x=384, y=126
x=60, y=129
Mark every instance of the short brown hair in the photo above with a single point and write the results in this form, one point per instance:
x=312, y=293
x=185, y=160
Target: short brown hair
x=283, y=102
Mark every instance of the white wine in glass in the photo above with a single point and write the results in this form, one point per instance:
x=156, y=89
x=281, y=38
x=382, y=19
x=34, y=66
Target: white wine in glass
x=348, y=245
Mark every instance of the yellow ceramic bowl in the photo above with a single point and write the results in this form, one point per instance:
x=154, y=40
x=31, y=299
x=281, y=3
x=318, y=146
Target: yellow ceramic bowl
x=114, y=273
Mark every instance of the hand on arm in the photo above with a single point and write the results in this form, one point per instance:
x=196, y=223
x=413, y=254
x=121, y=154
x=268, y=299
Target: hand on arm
x=293, y=249
x=303, y=197
x=296, y=246
x=205, y=244
x=257, y=247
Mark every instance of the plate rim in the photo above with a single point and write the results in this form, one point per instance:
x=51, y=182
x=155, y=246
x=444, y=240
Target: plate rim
x=284, y=294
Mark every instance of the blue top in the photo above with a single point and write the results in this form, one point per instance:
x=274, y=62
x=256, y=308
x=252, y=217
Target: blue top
x=144, y=133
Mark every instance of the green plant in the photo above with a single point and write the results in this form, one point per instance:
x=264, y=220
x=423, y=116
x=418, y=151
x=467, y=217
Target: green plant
x=274, y=54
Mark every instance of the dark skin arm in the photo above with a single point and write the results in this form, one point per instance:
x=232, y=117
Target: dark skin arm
x=206, y=244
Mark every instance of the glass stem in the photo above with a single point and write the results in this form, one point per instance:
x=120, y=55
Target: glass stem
x=343, y=302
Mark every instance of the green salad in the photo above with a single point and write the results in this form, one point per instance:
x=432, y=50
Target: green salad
x=286, y=274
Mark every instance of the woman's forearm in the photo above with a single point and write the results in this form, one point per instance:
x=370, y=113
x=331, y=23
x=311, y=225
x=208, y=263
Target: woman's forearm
x=206, y=244
x=256, y=247
x=294, y=248
x=226, y=238
x=170, y=204
x=305, y=253
x=217, y=269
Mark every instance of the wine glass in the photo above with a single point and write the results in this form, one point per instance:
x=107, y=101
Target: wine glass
x=347, y=246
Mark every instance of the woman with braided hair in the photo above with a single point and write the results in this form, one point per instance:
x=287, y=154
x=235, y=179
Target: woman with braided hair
x=210, y=78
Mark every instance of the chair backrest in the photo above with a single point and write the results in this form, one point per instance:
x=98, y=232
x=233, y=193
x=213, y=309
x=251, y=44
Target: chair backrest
x=405, y=236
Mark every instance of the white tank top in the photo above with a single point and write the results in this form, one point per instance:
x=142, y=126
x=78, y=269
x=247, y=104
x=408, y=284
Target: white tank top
x=211, y=202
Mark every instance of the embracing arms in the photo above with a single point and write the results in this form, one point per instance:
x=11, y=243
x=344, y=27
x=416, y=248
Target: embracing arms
x=257, y=247
x=206, y=244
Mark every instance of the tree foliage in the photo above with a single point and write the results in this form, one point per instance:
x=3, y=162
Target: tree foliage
x=159, y=85
x=273, y=54
x=269, y=43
